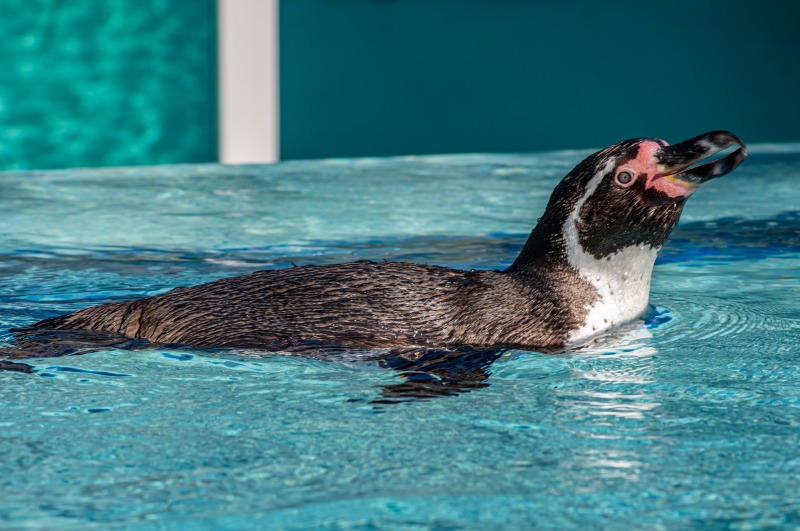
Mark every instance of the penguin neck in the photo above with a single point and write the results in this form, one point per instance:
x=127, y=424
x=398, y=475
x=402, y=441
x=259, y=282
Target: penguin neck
x=544, y=251
x=600, y=292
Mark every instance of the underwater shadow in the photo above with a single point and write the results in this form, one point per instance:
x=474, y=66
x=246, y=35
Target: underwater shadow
x=432, y=373
x=426, y=372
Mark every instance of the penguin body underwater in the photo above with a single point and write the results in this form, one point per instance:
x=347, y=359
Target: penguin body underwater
x=585, y=269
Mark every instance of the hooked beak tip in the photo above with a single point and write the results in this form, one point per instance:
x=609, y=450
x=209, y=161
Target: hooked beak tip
x=676, y=161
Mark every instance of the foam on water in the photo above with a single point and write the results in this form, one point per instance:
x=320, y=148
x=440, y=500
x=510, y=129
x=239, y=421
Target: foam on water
x=688, y=418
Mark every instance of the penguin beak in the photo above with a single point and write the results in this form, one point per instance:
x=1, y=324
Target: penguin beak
x=675, y=163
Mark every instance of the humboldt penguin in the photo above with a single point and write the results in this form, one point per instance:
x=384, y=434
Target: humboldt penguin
x=585, y=269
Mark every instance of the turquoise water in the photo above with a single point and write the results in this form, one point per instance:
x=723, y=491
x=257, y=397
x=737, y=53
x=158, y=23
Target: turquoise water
x=89, y=83
x=688, y=419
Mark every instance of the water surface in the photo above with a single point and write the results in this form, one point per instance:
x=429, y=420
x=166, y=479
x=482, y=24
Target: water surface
x=690, y=418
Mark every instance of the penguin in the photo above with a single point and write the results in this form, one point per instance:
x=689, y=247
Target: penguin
x=585, y=269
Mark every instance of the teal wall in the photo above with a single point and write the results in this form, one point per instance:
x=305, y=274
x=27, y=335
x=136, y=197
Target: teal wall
x=106, y=82
x=115, y=82
x=384, y=77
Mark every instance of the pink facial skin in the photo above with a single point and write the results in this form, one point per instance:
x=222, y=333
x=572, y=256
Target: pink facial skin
x=647, y=164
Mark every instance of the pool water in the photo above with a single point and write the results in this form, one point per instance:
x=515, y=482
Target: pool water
x=688, y=418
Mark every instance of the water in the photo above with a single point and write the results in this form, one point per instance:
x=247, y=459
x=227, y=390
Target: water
x=107, y=83
x=688, y=419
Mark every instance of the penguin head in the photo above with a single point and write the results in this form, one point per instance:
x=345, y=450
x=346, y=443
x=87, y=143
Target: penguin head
x=595, y=246
x=628, y=195
x=633, y=193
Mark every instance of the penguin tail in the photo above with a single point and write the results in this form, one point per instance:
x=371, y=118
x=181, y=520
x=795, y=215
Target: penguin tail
x=118, y=318
x=103, y=327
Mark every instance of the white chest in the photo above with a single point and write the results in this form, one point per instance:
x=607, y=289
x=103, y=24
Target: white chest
x=622, y=280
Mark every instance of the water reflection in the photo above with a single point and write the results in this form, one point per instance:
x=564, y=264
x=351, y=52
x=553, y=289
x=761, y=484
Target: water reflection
x=610, y=400
x=424, y=373
x=430, y=373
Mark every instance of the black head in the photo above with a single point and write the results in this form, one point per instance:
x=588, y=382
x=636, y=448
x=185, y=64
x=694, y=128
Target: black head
x=630, y=194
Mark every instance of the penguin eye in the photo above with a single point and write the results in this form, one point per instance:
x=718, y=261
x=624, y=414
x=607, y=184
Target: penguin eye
x=624, y=178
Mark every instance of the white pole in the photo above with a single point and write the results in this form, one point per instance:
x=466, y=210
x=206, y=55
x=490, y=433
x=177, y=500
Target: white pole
x=248, y=80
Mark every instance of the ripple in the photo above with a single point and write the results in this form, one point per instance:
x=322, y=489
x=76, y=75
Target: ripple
x=734, y=239
x=703, y=318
